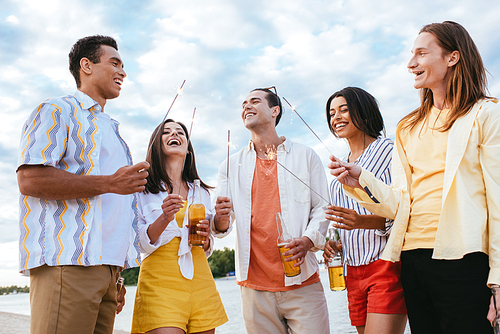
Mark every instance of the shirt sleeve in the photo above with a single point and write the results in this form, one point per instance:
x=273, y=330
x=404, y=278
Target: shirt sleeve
x=148, y=212
x=489, y=157
x=384, y=156
x=44, y=136
x=318, y=225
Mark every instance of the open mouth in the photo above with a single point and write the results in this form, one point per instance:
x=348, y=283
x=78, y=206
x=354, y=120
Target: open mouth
x=174, y=142
x=118, y=82
x=418, y=73
x=249, y=114
x=340, y=126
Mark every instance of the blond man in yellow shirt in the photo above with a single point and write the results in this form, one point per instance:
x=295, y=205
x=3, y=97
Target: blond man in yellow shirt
x=445, y=196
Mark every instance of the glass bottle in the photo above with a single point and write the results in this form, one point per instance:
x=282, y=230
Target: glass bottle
x=196, y=212
x=284, y=237
x=335, y=266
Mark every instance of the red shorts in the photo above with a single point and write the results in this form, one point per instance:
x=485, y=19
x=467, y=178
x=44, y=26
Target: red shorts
x=374, y=288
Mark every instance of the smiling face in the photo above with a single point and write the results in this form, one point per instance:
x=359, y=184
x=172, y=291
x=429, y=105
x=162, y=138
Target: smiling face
x=431, y=67
x=340, y=119
x=256, y=110
x=174, y=139
x=106, y=77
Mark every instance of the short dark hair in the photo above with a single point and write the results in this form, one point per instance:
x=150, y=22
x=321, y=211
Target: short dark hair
x=273, y=100
x=363, y=110
x=90, y=48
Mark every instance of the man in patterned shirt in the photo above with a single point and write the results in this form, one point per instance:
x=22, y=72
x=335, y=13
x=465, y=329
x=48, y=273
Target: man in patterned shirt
x=78, y=230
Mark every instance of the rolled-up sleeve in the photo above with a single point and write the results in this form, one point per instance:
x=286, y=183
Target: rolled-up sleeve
x=490, y=164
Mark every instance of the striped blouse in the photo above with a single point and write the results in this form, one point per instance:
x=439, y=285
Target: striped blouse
x=66, y=133
x=363, y=246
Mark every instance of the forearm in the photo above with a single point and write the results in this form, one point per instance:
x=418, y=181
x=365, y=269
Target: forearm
x=54, y=184
x=220, y=226
x=373, y=222
x=155, y=230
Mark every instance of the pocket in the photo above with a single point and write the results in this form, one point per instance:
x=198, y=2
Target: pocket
x=300, y=192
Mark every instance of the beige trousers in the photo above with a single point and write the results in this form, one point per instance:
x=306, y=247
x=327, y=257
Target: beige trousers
x=73, y=299
x=298, y=311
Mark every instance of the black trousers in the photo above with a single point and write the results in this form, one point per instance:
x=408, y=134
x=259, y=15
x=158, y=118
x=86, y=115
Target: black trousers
x=446, y=296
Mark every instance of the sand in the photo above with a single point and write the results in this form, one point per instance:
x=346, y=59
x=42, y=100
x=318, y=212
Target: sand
x=20, y=324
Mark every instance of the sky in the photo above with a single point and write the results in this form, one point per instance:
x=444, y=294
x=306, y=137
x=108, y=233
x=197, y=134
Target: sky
x=223, y=49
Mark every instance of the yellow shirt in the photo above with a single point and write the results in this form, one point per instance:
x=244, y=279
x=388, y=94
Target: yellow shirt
x=425, y=149
x=179, y=216
x=470, y=214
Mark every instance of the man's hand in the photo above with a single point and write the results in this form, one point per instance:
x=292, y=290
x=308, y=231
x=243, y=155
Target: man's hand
x=346, y=173
x=223, y=209
x=493, y=311
x=56, y=184
x=130, y=179
x=298, y=248
x=120, y=294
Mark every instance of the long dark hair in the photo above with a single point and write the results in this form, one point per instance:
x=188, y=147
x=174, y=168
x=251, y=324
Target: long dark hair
x=363, y=110
x=156, y=160
x=468, y=81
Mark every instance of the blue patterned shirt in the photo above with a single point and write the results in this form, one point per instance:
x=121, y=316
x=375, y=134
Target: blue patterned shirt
x=66, y=133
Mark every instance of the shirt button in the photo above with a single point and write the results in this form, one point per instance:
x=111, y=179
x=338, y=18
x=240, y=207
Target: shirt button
x=246, y=249
x=94, y=154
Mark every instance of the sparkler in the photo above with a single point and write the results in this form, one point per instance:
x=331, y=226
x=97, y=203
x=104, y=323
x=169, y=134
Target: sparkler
x=314, y=133
x=271, y=155
x=227, y=167
x=188, y=141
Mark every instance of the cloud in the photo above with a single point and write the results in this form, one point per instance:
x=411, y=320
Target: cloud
x=223, y=49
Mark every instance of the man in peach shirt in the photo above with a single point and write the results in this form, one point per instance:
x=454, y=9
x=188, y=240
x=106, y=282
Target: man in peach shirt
x=259, y=188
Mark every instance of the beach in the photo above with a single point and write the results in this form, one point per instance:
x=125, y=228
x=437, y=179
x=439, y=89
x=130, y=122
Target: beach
x=20, y=324
x=14, y=310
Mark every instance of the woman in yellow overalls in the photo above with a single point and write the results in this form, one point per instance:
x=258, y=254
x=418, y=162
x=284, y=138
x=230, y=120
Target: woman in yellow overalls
x=176, y=292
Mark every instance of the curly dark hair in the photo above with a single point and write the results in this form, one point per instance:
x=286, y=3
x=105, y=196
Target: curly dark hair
x=90, y=48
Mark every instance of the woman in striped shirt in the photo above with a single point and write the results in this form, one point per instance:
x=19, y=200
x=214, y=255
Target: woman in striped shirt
x=375, y=295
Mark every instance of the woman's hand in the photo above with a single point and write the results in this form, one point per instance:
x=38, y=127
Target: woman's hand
x=343, y=218
x=332, y=247
x=203, y=229
x=170, y=206
x=346, y=173
x=348, y=219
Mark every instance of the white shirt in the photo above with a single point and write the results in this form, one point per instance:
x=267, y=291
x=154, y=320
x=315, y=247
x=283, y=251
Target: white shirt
x=150, y=210
x=300, y=207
